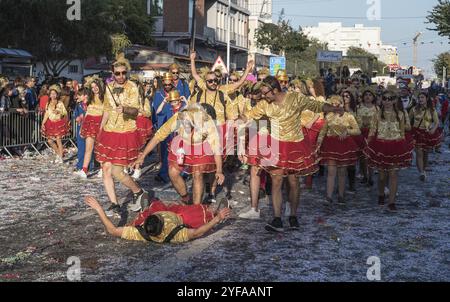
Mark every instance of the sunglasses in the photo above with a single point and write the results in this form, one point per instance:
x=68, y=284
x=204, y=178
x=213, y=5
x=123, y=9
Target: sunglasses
x=346, y=96
x=391, y=98
x=167, y=85
x=176, y=72
x=213, y=81
x=120, y=73
x=266, y=93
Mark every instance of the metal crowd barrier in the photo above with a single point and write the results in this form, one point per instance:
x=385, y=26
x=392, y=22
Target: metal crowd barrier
x=24, y=130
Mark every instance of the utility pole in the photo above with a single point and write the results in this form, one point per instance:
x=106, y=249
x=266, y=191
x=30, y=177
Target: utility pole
x=193, y=28
x=228, y=36
x=415, y=44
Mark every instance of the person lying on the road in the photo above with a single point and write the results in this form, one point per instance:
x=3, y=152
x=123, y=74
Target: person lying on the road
x=162, y=223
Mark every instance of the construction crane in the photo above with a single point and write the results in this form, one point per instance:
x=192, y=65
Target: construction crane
x=264, y=15
x=415, y=45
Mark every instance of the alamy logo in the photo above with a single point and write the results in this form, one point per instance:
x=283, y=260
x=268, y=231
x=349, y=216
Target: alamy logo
x=74, y=271
x=374, y=271
x=374, y=11
x=74, y=11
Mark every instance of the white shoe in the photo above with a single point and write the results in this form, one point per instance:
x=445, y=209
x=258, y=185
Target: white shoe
x=386, y=191
x=251, y=214
x=287, y=210
x=81, y=174
x=137, y=174
x=100, y=174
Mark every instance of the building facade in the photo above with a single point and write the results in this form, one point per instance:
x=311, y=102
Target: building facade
x=174, y=23
x=260, y=13
x=340, y=38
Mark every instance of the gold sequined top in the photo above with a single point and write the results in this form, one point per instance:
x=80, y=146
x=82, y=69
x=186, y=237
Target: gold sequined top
x=145, y=109
x=285, y=121
x=365, y=115
x=227, y=89
x=308, y=116
x=424, y=119
x=128, y=98
x=336, y=125
x=213, y=99
x=95, y=108
x=390, y=128
x=171, y=221
x=207, y=131
x=55, y=113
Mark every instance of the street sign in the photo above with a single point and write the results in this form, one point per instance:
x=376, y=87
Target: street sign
x=219, y=64
x=329, y=56
x=277, y=63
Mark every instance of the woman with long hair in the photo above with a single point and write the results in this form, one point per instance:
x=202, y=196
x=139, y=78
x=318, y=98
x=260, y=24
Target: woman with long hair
x=338, y=150
x=365, y=114
x=43, y=98
x=387, y=149
x=426, y=131
x=92, y=121
x=55, y=123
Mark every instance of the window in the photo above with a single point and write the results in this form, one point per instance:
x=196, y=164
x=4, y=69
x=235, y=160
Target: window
x=155, y=7
x=73, y=68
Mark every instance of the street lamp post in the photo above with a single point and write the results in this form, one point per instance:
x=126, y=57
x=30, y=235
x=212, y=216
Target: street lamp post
x=228, y=36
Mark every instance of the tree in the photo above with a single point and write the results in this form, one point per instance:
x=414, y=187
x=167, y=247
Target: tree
x=42, y=28
x=441, y=61
x=305, y=64
x=361, y=58
x=440, y=17
x=281, y=38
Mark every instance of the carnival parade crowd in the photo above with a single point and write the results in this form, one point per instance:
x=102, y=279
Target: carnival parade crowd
x=277, y=129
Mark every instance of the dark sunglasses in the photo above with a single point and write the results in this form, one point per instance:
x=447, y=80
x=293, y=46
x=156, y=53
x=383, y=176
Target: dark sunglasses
x=391, y=98
x=213, y=81
x=167, y=85
x=120, y=73
x=175, y=72
x=265, y=93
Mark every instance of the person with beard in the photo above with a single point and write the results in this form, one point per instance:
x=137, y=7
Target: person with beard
x=117, y=144
x=162, y=116
x=291, y=154
x=194, y=149
x=283, y=79
x=179, y=84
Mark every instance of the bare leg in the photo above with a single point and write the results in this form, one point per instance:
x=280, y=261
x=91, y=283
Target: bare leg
x=393, y=185
x=198, y=187
x=53, y=145
x=60, y=147
x=294, y=193
x=255, y=181
x=88, y=153
x=108, y=182
x=177, y=181
x=363, y=167
x=125, y=179
x=341, y=172
x=419, y=160
x=277, y=197
x=381, y=182
x=425, y=159
x=331, y=179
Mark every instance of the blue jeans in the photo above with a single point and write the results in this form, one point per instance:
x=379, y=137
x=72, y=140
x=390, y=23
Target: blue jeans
x=164, y=171
x=81, y=145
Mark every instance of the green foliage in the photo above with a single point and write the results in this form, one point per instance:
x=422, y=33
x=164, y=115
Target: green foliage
x=440, y=17
x=442, y=60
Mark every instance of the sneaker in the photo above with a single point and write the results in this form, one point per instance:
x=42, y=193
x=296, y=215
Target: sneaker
x=328, y=201
x=244, y=167
x=209, y=199
x=423, y=177
x=293, y=223
x=275, y=226
x=252, y=214
x=100, y=173
x=112, y=210
x=81, y=174
x=351, y=191
x=287, y=210
x=386, y=191
x=392, y=207
x=136, y=174
x=341, y=201
x=138, y=198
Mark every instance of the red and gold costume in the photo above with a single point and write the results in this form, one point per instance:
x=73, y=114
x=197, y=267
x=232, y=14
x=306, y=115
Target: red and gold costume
x=144, y=123
x=287, y=149
x=118, y=142
x=423, y=121
x=333, y=149
x=57, y=124
x=200, y=145
x=364, y=117
x=93, y=119
x=312, y=133
x=388, y=148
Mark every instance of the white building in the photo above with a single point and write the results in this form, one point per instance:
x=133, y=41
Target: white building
x=260, y=13
x=341, y=38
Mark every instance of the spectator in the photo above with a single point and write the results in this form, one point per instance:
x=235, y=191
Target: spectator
x=31, y=97
x=5, y=98
x=43, y=98
x=65, y=97
x=330, y=82
x=79, y=115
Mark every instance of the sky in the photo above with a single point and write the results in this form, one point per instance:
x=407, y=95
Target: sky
x=400, y=21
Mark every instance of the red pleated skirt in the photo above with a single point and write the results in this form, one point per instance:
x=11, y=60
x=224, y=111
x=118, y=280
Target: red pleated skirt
x=343, y=153
x=56, y=129
x=194, y=216
x=313, y=133
x=425, y=140
x=197, y=158
x=120, y=149
x=91, y=126
x=387, y=155
x=286, y=158
x=144, y=129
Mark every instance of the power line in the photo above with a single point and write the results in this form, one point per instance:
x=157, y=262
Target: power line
x=352, y=17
